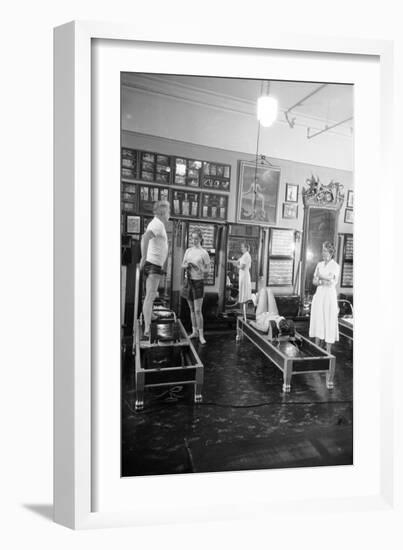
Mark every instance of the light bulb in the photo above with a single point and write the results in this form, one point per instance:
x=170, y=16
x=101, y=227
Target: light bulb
x=267, y=108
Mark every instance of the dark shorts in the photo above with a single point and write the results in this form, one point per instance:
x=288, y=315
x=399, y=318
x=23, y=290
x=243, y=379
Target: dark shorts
x=194, y=291
x=152, y=269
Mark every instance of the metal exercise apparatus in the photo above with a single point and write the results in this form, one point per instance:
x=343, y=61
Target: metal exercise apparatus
x=167, y=357
x=291, y=352
x=346, y=322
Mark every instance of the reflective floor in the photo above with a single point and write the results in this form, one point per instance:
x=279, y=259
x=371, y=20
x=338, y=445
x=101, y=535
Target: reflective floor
x=245, y=420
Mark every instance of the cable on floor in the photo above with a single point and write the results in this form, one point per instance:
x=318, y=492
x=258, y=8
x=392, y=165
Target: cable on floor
x=236, y=406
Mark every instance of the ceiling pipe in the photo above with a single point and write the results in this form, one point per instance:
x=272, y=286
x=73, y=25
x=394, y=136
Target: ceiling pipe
x=300, y=102
x=326, y=128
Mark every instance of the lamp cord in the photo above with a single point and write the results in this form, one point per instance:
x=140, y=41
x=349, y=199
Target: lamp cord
x=256, y=162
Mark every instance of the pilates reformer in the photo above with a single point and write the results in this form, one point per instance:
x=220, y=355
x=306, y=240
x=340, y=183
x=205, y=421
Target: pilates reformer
x=291, y=352
x=346, y=322
x=167, y=357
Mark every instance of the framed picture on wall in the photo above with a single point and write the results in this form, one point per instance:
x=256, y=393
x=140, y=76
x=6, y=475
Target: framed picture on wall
x=348, y=215
x=291, y=192
x=290, y=211
x=350, y=199
x=257, y=193
x=133, y=224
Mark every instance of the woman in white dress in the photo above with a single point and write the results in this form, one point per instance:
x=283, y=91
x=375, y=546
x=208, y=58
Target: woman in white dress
x=244, y=282
x=324, y=309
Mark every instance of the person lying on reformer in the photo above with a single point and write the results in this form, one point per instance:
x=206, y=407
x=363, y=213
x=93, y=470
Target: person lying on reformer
x=268, y=319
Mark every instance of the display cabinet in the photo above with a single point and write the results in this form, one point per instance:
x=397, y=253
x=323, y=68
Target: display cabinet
x=155, y=167
x=281, y=257
x=214, y=207
x=185, y=204
x=216, y=176
x=148, y=195
x=129, y=164
x=187, y=172
x=129, y=197
x=347, y=261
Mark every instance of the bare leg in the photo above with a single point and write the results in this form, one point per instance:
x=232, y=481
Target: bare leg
x=152, y=283
x=328, y=347
x=195, y=333
x=317, y=341
x=199, y=319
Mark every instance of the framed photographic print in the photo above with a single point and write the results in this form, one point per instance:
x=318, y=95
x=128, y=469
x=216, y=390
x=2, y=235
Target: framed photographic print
x=216, y=176
x=185, y=204
x=257, y=193
x=93, y=404
x=349, y=215
x=214, y=207
x=133, y=224
x=290, y=211
x=350, y=199
x=291, y=192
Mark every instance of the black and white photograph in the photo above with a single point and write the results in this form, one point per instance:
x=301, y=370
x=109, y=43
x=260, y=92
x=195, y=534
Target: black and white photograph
x=350, y=199
x=348, y=215
x=237, y=307
x=291, y=192
x=290, y=211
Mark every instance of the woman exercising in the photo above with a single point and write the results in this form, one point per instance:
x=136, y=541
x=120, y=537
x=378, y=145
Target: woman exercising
x=154, y=251
x=196, y=261
x=324, y=309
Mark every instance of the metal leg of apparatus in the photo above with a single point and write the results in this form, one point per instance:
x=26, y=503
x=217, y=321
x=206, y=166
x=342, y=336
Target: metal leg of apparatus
x=287, y=376
x=239, y=335
x=139, y=391
x=330, y=375
x=198, y=385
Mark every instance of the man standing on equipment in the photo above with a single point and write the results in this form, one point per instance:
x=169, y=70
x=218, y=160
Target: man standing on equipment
x=154, y=252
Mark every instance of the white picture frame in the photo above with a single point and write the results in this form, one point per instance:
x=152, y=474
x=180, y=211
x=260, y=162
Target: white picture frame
x=79, y=315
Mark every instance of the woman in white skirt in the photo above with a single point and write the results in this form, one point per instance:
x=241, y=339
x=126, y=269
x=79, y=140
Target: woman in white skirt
x=324, y=309
x=244, y=283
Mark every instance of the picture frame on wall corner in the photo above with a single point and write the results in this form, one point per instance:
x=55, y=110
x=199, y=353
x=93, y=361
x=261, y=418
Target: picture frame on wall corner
x=290, y=211
x=132, y=224
x=291, y=192
x=349, y=215
x=88, y=489
x=350, y=199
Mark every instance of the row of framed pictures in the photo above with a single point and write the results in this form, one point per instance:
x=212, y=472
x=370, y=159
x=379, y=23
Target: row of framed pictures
x=171, y=170
x=139, y=199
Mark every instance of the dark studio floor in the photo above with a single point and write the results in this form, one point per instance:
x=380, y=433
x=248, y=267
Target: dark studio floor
x=310, y=426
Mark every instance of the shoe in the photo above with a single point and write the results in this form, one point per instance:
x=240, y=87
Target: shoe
x=201, y=337
x=194, y=334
